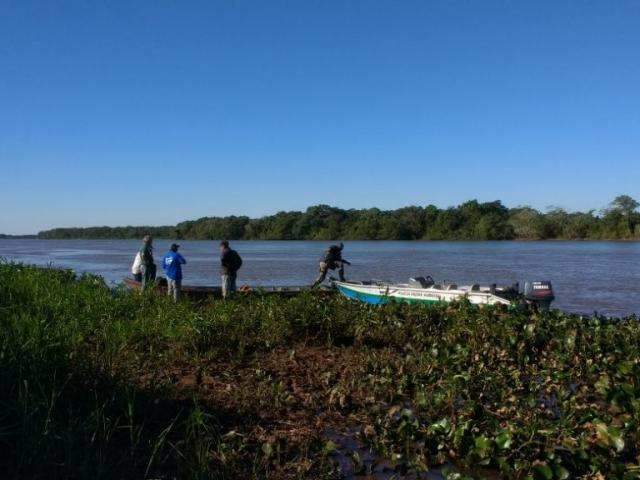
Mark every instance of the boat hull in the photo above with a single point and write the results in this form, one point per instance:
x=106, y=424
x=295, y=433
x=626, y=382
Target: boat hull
x=381, y=294
x=378, y=298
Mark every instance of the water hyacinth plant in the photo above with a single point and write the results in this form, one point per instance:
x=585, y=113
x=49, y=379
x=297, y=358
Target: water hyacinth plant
x=102, y=383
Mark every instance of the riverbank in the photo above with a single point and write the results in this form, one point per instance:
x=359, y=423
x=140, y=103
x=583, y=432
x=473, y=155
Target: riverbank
x=104, y=384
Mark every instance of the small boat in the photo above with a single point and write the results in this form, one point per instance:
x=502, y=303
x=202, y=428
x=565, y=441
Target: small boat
x=197, y=292
x=425, y=290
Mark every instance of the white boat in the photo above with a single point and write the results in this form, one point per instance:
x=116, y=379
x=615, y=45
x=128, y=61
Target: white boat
x=425, y=290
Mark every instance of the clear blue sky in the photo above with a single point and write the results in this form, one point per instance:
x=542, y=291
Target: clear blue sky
x=154, y=112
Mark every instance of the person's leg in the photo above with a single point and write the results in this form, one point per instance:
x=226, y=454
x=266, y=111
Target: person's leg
x=232, y=282
x=152, y=274
x=171, y=285
x=177, y=290
x=146, y=277
x=149, y=276
x=137, y=277
x=341, y=272
x=321, y=276
x=225, y=285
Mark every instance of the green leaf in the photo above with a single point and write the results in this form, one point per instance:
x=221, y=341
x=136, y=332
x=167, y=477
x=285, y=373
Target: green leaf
x=421, y=399
x=463, y=376
x=625, y=368
x=329, y=447
x=615, y=439
x=609, y=436
x=542, y=471
x=482, y=446
x=441, y=426
x=602, y=385
x=482, y=442
x=561, y=472
x=570, y=340
x=504, y=440
x=267, y=449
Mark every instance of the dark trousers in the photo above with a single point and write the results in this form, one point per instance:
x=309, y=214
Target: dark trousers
x=137, y=277
x=148, y=276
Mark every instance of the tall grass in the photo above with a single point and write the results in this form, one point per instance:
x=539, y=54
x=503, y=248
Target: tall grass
x=72, y=350
x=70, y=407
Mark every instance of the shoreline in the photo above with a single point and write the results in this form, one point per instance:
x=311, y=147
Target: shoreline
x=514, y=240
x=121, y=284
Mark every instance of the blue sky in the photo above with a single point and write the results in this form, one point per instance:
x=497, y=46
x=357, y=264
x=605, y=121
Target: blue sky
x=115, y=113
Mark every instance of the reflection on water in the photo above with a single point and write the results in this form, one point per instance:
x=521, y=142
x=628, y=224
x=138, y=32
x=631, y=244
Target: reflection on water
x=587, y=276
x=357, y=462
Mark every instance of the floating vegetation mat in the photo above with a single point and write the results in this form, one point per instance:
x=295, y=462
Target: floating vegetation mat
x=97, y=383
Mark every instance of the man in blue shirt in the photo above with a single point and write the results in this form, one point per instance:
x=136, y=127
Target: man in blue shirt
x=172, y=265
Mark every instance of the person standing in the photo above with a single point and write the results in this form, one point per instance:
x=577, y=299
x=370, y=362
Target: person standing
x=148, y=265
x=172, y=266
x=230, y=263
x=331, y=260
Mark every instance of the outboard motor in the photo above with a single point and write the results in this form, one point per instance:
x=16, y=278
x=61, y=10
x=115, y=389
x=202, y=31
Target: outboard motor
x=539, y=294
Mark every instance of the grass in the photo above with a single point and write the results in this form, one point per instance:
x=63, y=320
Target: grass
x=96, y=383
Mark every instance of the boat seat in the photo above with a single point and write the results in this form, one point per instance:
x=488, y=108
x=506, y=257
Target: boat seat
x=453, y=286
x=475, y=287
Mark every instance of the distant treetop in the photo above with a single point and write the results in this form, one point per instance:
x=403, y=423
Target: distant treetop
x=471, y=220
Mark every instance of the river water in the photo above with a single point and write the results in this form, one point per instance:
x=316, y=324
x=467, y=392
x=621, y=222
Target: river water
x=587, y=276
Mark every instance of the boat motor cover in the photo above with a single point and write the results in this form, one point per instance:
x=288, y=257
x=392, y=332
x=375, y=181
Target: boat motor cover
x=539, y=290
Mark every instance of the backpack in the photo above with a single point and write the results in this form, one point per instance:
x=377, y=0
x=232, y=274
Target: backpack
x=333, y=254
x=235, y=262
x=137, y=264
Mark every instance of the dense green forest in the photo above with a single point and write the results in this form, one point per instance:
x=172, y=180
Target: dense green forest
x=469, y=221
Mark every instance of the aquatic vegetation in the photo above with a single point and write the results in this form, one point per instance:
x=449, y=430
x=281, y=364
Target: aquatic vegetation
x=96, y=383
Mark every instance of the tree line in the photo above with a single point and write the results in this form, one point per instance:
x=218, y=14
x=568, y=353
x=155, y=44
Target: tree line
x=471, y=220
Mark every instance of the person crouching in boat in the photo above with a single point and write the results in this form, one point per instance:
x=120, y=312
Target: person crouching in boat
x=230, y=263
x=148, y=266
x=331, y=260
x=172, y=266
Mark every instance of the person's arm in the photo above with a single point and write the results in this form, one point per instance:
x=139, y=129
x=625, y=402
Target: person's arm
x=182, y=260
x=346, y=261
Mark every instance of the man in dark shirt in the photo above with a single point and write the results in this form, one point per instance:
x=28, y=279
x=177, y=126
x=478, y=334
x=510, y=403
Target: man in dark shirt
x=331, y=260
x=230, y=263
x=148, y=266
